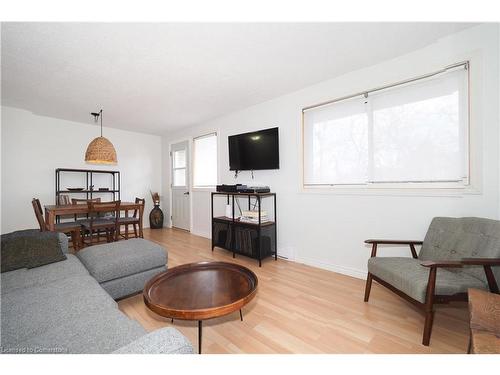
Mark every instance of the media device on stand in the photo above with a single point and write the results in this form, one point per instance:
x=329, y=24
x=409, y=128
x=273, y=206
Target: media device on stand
x=228, y=188
x=239, y=188
x=253, y=189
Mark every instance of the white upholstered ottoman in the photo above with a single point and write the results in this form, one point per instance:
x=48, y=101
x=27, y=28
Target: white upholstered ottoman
x=123, y=268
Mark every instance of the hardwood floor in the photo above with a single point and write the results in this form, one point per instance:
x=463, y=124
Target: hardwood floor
x=302, y=309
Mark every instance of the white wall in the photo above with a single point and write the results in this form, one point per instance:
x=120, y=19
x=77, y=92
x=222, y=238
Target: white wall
x=327, y=230
x=34, y=146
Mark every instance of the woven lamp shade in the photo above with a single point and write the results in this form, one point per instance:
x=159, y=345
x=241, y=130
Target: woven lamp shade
x=101, y=151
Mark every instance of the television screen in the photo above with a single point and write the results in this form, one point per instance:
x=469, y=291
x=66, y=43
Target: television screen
x=254, y=151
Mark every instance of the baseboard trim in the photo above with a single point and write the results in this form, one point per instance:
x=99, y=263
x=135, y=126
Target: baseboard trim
x=349, y=271
x=202, y=234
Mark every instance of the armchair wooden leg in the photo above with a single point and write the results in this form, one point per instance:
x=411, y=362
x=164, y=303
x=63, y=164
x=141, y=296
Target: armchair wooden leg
x=429, y=319
x=429, y=307
x=368, y=286
x=492, y=283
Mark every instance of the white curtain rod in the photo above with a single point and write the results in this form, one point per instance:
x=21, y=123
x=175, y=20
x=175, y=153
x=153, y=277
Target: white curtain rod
x=465, y=64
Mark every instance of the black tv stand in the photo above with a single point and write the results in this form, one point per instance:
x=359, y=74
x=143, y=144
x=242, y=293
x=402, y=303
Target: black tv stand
x=255, y=240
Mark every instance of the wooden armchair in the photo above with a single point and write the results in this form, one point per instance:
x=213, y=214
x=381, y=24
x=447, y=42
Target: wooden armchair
x=463, y=249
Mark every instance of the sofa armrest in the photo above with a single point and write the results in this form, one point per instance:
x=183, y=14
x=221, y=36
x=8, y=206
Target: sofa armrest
x=161, y=341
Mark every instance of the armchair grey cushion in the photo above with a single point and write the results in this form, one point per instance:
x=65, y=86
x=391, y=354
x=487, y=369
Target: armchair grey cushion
x=468, y=237
x=446, y=239
x=407, y=275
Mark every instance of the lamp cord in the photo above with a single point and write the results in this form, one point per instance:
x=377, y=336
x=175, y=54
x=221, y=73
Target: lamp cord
x=101, y=121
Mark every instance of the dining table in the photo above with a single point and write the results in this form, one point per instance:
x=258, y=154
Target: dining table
x=52, y=211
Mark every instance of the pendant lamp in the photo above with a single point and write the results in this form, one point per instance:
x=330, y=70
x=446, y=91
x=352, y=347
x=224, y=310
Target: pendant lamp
x=100, y=150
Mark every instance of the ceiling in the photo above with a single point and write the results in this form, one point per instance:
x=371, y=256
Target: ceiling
x=158, y=77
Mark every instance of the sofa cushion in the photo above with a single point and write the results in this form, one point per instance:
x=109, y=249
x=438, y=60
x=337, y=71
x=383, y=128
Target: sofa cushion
x=410, y=277
x=91, y=332
x=119, y=259
x=30, y=248
x=26, y=278
x=32, y=311
x=132, y=284
x=469, y=237
x=161, y=341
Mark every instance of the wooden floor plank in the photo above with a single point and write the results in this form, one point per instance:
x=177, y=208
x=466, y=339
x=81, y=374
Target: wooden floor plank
x=302, y=309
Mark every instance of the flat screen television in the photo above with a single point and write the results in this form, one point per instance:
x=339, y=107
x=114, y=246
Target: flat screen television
x=254, y=151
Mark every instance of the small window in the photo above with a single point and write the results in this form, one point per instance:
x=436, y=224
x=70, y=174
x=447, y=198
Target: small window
x=409, y=133
x=205, y=161
x=179, y=161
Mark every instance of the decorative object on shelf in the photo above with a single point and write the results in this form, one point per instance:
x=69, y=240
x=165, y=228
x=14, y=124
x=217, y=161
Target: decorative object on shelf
x=156, y=214
x=100, y=150
x=103, y=189
x=75, y=189
x=63, y=200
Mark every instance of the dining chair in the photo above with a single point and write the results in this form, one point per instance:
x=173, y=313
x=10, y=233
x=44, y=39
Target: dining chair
x=71, y=228
x=83, y=201
x=134, y=220
x=103, y=216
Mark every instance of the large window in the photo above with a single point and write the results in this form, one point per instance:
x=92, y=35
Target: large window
x=410, y=133
x=205, y=161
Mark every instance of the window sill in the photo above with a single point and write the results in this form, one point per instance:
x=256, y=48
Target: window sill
x=427, y=191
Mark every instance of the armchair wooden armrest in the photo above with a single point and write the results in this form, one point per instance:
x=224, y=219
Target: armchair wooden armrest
x=442, y=264
x=410, y=243
x=481, y=261
x=394, y=242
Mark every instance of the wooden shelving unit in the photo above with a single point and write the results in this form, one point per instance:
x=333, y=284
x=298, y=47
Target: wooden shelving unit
x=89, y=174
x=255, y=240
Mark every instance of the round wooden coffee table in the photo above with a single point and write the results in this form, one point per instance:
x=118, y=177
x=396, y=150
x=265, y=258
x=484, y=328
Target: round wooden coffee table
x=200, y=291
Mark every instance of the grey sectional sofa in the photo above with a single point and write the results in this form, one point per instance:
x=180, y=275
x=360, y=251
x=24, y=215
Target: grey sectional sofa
x=61, y=308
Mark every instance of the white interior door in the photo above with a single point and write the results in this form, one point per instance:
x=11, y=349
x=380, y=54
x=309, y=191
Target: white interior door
x=179, y=157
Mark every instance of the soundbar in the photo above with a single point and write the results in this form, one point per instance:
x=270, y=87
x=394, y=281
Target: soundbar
x=255, y=189
x=229, y=188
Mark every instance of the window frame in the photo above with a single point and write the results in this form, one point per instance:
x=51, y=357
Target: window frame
x=193, y=167
x=473, y=157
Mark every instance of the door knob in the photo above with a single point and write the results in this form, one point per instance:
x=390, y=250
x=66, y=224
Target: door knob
x=186, y=193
